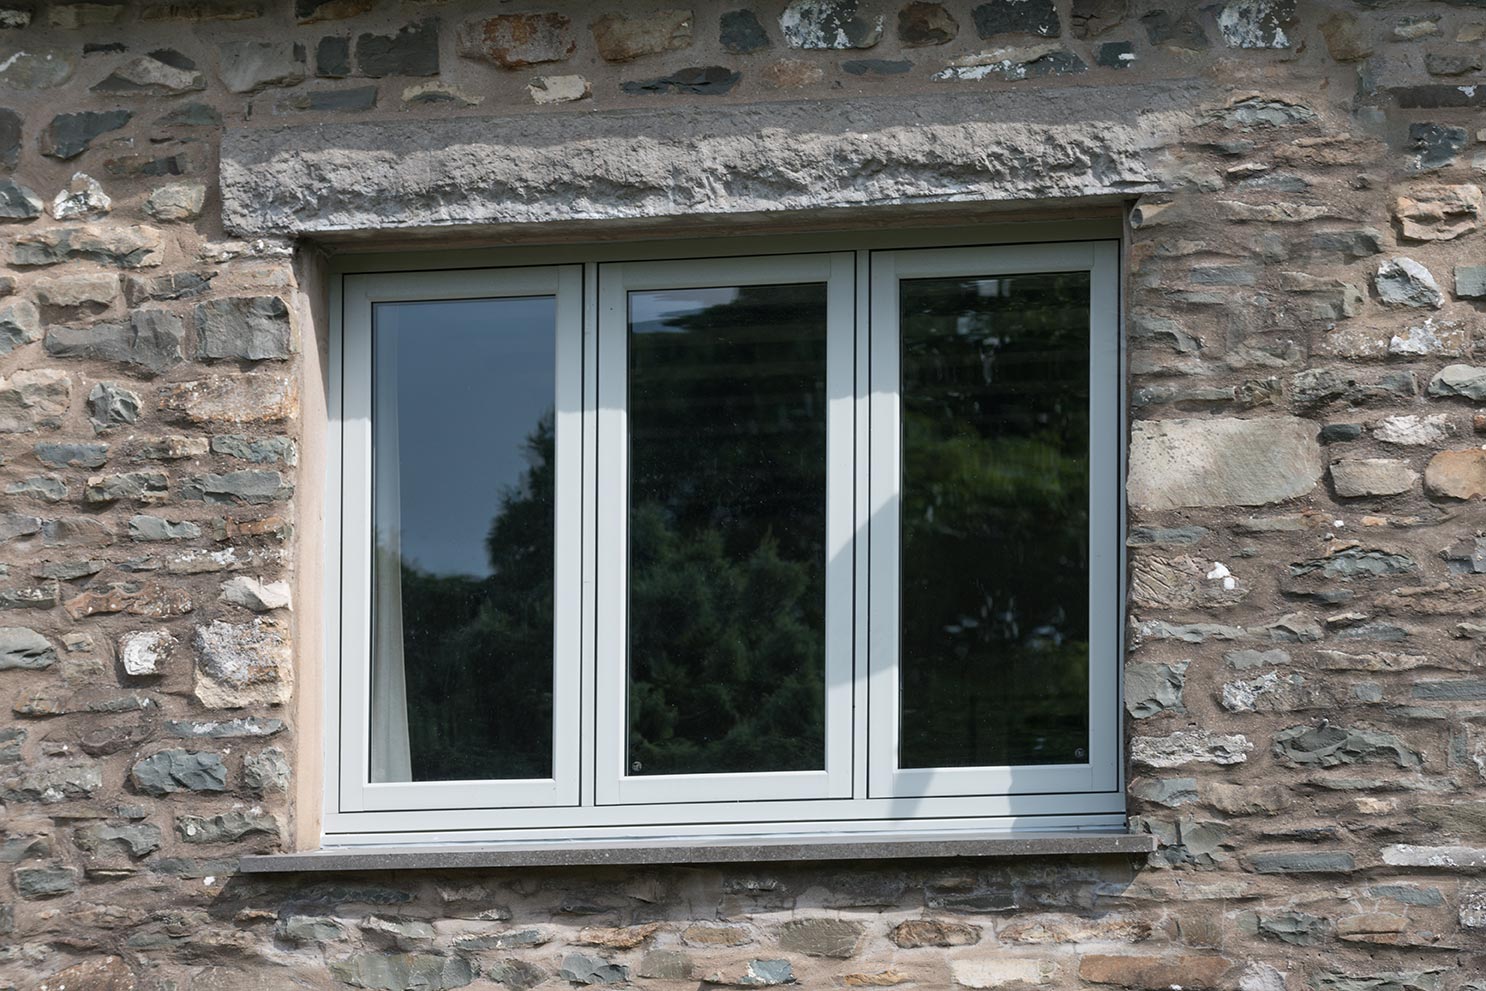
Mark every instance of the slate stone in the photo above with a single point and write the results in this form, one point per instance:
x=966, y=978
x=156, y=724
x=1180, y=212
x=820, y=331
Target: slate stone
x=32, y=68
x=310, y=930
x=192, y=115
x=230, y=729
x=519, y=975
x=412, y=51
x=1245, y=462
x=259, y=450
x=833, y=938
x=246, y=487
x=331, y=101
x=580, y=968
x=1152, y=689
x=47, y=488
x=266, y=772
x=71, y=455
x=403, y=971
x=1462, y=690
x=179, y=770
x=10, y=138
x=830, y=24
x=1438, y=96
x=249, y=66
x=134, y=840
x=1470, y=281
x=1257, y=23
x=25, y=648
x=1091, y=18
x=1115, y=54
x=310, y=11
x=1295, y=928
x=152, y=528
x=20, y=324
x=110, y=404
x=876, y=67
x=1355, y=562
x=134, y=486
x=711, y=80
x=56, y=783
x=1436, y=145
x=164, y=72
x=333, y=57
x=1170, y=792
x=1035, y=17
x=1179, y=30
x=1332, y=746
x=18, y=202
x=36, y=883
x=229, y=827
x=69, y=135
x=1303, y=863
x=146, y=167
x=1337, y=433
x=149, y=341
x=1015, y=63
x=180, y=285
x=1405, y=282
x=740, y=32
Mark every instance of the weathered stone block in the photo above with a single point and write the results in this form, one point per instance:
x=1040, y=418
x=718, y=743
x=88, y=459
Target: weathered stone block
x=1034, y=17
x=34, y=400
x=1151, y=689
x=1187, y=970
x=55, y=783
x=514, y=41
x=69, y=135
x=245, y=487
x=24, y=648
x=240, y=399
x=110, y=405
x=229, y=827
x=1222, y=462
x=412, y=51
x=625, y=37
x=18, y=202
x=1438, y=213
x=247, y=66
x=1404, y=282
x=1331, y=746
x=150, y=341
x=916, y=933
x=133, y=840
x=836, y=938
x=1189, y=747
x=242, y=664
x=126, y=247
x=829, y=24
x=1357, y=477
x=1456, y=474
x=405, y=971
x=177, y=201
x=171, y=771
x=252, y=328
x=740, y=32
x=1257, y=23
x=145, y=653
x=36, y=883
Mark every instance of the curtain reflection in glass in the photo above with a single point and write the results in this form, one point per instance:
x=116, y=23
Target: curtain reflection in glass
x=995, y=540
x=463, y=511
x=727, y=433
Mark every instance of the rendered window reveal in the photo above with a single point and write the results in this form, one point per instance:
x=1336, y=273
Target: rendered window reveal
x=781, y=543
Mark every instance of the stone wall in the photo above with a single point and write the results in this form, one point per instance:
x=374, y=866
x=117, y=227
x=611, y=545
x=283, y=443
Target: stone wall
x=1307, y=285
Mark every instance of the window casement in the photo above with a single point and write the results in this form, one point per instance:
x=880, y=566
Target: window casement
x=734, y=539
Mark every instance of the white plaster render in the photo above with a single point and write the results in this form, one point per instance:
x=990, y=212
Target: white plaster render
x=755, y=159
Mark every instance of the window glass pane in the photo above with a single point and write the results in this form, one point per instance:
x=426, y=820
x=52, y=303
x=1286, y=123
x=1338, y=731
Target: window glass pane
x=463, y=509
x=727, y=432
x=995, y=540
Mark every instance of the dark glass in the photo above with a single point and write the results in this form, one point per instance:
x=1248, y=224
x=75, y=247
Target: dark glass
x=995, y=541
x=727, y=433
x=463, y=448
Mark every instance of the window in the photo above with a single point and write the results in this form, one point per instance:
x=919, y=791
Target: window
x=637, y=544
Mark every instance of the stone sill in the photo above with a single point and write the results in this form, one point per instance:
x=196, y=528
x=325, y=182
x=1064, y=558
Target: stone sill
x=660, y=852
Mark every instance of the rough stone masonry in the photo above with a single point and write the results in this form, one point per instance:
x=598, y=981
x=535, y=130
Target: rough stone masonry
x=1306, y=331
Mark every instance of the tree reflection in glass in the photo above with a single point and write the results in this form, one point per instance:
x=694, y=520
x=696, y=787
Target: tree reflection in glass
x=727, y=434
x=995, y=522
x=464, y=513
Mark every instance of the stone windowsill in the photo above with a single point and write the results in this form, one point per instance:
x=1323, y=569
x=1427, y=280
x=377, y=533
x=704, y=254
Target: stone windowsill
x=660, y=852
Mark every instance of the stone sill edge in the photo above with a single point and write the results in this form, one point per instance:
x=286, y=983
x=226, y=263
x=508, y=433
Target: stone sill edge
x=660, y=853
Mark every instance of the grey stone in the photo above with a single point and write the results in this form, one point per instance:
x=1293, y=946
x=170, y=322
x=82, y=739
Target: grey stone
x=192, y=115
x=1244, y=660
x=403, y=971
x=242, y=664
x=10, y=139
x=245, y=487
x=1028, y=62
x=1464, y=690
x=1174, y=536
x=1257, y=23
x=46, y=488
x=180, y=285
x=18, y=202
x=1221, y=462
x=507, y=940
x=1091, y=18
x=69, y=135
x=333, y=57
x=1357, y=562
x=756, y=974
x=71, y=455
x=156, y=528
x=132, y=839
x=35, y=67
x=1404, y=282
x=622, y=37
x=311, y=11
x=1472, y=911
x=161, y=73
x=252, y=328
x=1170, y=792
x=1186, y=841
x=97, y=290
x=1356, y=477
x=255, y=595
x=1115, y=54
x=704, y=80
x=514, y=41
x=229, y=827
x=580, y=968
x=1151, y=689
x=20, y=324
x=1035, y=17
x=55, y=783
x=1408, y=894
x=110, y=404
x=1187, y=632
x=16, y=525
x=519, y=975
x=1295, y=928
x=1436, y=145
x=179, y=770
x=231, y=729
x=669, y=965
x=1331, y=746
x=921, y=24
x=16, y=849
x=1459, y=380
x=817, y=24
x=126, y=247
x=21, y=647
x=876, y=67
x=230, y=400
x=151, y=341
x=133, y=486
x=833, y=938
x=1180, y=30
x=330, y=101
x=1470, y=281
x=1466, y=556
x=248, y=66
x=310, y=930
x=176, y=201
x=740, y=32
x=412, y=51
x=1338, y=433
x=401, y=934
x=36, y=883
x=266, y=772
x=144, y=653
x=1303, y=863
x=735, y=159
x=1320, y=386
x=259, y=450
x=1189, y=747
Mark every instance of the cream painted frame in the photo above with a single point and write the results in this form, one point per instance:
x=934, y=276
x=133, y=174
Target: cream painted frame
x=690, y=824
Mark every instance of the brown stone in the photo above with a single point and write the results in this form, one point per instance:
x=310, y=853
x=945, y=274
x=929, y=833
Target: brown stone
x=623, y=38
x=934, y=932
x=617, y=937
x=1154, y=973
x=1346, y=38
x=1457, y=474
x=1438, y=213
x=835, y=938
x=704, y=934
x=258, y=398
x=881, y=979
x=101, y=974
x=921, y=24
x=513, y=41
x=792, y=74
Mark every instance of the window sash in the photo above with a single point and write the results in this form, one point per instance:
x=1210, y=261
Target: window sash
x=361, y=294
x=356, y=813
x=615, y=282
x=886, y=779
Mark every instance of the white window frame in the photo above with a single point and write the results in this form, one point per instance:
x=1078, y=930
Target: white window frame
x=589, y=799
